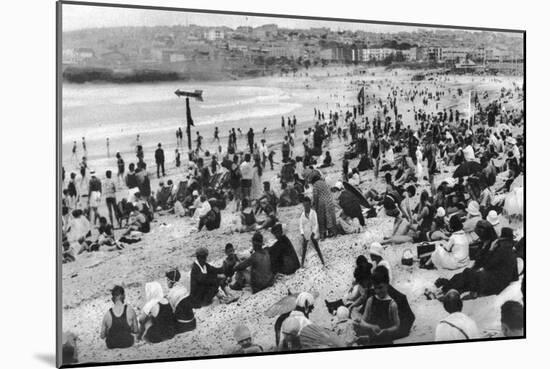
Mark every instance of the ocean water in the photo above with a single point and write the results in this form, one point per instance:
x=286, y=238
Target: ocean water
x=152, y=110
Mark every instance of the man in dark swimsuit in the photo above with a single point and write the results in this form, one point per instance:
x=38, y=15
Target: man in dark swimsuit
x=120, y=322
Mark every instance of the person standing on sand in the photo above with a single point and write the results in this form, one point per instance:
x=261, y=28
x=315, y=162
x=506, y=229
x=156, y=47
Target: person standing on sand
x=263, y=152
x=309, y=229
x=323, y=203
x=177, y=158
x=84, y=146
x=108, y=148
x=216, y=135
x=250, y=136
x=131, y=182
x=94, y=197
x=119, y=323
x=199, y=142
x=159, y=159
x=72, y=191
x=247, y=172
x=74, y=155
x=120, y=165
x=83, y=187
x=109, y=189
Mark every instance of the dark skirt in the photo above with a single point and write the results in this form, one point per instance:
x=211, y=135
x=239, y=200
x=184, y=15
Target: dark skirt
x=185, y=327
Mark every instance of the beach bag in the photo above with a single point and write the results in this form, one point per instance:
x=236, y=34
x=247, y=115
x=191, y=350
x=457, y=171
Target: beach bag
x=407, y=258
x=425, y=249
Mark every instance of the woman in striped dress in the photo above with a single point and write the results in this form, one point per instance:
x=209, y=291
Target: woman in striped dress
x=323, y=204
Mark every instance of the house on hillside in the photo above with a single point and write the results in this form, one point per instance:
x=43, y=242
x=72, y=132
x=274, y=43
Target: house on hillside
x=114, y=57
x=214, y=34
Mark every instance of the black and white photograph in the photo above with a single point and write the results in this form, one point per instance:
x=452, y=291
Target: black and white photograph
x=241, y=184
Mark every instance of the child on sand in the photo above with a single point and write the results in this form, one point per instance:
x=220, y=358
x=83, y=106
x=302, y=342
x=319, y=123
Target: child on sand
x=343, y=326
x=381, y=319
x=244, y=340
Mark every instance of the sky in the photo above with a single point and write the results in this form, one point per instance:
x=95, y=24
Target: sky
x=76, y=17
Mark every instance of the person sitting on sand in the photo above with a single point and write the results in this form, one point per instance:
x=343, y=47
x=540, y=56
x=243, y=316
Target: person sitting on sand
x=78, y=226
x=124, y=210
x=206, y=282
x=355, y=177
x=270, y=195
x=244, y=340
x=380, y=321
x=348, y=202
x=405, y=205
x=457, y=326
x=424, y=216
x=163, y=195
x=493, y=218
x=68, y=252
x=235, y=279
x=290, y=340
x=138, y=224
x=120, y=322
x=270, y=214
x=106, y=237
x=248, y=219
x=495, y=267
x=181, y=305
x=472, y=217
x=455, y=253
x=402, y=230
x=343, y=326
x=157, y=317
x=511, y=319
x=282, y=254
x=212, y=219
x=259, y=262
x=327, y=161
x=69, y=349
x=346, y=224
x=439, y=229
x=358, y=292
x=289, y=195
x=202, y=208
x=376, y=254
x=304, y=306
x=405, y=172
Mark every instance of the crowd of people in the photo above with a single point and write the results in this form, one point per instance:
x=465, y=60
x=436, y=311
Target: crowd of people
x=465, y=222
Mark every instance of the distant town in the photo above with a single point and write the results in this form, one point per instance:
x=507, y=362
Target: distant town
x=196, y=52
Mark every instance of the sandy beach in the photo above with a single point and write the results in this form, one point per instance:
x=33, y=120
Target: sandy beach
x=173, y=240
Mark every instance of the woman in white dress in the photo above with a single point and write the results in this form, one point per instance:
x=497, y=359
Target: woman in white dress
x=256, y=189
x=454, y=254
